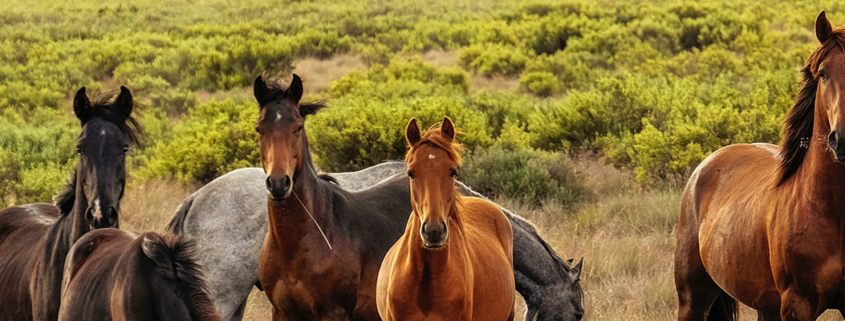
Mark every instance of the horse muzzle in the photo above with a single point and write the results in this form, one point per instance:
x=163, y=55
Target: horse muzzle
x=279, y=188
x=434, y=235
x=98, y=217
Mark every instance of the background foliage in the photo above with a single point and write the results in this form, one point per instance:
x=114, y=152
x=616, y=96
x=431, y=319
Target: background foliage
x=653, y=86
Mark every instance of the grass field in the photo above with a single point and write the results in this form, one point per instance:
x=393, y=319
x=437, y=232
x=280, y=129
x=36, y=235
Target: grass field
x=596, y=110
x=625, y=234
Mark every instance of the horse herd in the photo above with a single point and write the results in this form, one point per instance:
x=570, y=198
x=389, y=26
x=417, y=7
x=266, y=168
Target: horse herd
x=759, y=224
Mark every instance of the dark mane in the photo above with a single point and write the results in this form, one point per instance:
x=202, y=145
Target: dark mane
x=279, y=92
x=182, y=268
x=101, y=107
x=798, y=124
x=66, y=197
x=177, y=223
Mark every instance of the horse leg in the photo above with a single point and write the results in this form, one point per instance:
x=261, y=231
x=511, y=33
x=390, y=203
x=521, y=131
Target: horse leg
x=795, y=306
x=768, y=315
x=696, y=289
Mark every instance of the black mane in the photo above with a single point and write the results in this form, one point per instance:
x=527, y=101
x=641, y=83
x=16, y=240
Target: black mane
x=280, y=92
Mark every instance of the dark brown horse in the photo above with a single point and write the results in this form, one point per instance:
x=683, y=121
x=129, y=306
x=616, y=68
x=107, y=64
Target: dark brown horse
x=35, y=238
x=455, y=259
x=114, y=275
x=303, y=278
x=765, y=225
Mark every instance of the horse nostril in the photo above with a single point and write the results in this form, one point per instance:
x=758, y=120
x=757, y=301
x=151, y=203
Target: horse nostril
x=287, y=182
x=833, y=140
x=269, y=185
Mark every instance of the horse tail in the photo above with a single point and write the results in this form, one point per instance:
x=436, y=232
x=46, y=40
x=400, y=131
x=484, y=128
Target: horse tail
x=172, y=257
x=177, y=223
x=723, y=309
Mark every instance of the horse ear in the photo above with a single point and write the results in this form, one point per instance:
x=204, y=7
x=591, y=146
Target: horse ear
x=575, y=271
x=295, y=89
x=261, y=92
x=124, y=103
x=448, y=129
x=412, y=132
x=823, y=28
x=81, y=105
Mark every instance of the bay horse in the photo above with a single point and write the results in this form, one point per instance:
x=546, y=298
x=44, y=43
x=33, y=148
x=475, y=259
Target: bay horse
x=764, y=225
x=114, y=275
x=455, y=259
x=35, y=238
x=341, y=282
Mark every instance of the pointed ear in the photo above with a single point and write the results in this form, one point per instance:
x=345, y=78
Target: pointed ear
x=261, y=92
x=412, y=132
x=448, y=129
x=123, y=103
x=295, y=89
x=823, y=28
x=575, y=271
x=82, y=106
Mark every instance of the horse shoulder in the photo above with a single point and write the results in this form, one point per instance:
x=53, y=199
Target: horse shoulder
x=488, y=218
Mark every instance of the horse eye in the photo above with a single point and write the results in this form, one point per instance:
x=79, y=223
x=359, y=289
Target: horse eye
x=454, y=173
x=411, y=175
x=78, y=150
x=125, y=150
x=822, y=75
x=299, y=129
x=257, y=130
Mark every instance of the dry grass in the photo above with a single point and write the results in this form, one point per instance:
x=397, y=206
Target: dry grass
x=149, y=206
x=317, y=75
x=625, y=234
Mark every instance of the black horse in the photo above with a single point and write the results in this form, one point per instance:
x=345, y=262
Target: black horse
x=35, y=238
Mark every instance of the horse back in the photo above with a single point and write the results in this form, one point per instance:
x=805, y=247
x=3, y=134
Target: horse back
x=22, y=229
x=88, y=275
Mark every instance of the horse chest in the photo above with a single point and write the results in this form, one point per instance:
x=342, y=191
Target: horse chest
x=319, y=287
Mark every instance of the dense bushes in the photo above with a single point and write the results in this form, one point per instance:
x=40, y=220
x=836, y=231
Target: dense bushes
x=523, y=174
x=654, y=87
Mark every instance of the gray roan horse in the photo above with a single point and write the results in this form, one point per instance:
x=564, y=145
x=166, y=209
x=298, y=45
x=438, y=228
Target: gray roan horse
x=227, y=219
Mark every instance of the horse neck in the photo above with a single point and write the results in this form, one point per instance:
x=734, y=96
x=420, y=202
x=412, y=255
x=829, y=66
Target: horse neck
x=290, y=222
x=72, y=226
x=821, y=179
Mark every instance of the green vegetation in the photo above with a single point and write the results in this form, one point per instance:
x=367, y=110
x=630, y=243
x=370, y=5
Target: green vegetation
x=651, y=86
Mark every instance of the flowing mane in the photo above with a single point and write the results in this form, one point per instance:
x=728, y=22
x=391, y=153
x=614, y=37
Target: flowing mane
x=100, y=107
x=798, y=125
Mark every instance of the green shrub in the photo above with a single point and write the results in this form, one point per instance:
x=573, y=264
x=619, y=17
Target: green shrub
x=523, y=174
x=216, y=137
x=493, y=59
x=540, y=83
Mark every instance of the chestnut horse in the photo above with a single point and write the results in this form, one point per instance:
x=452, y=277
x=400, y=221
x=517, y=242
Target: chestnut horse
x=455, y=259
x=114, y=275
x=35, y=238
x=764, y=225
